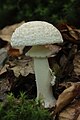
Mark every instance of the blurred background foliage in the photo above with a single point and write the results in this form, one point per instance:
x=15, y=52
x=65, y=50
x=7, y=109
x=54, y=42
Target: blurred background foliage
x=53, y=11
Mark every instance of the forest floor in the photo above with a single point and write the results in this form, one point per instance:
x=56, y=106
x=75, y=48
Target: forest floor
x=17, y=73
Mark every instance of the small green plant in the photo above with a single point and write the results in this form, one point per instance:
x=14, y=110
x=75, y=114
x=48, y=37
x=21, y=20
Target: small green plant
x=22, y=109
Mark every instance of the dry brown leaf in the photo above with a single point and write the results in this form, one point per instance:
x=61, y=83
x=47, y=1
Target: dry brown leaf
x=6, y=32
x=53, y=48
x=77, y=30
x=72, y=32
x=23, y=67
x=67, y=96
x=3, y=56
x=68, y=38
x=78, y=117
x=67, y=114
x=66, y=84
x=14, y=52
x=71, y=112
x=62, y=26
x=76, y=63
x=4, y=69
x=5, y=35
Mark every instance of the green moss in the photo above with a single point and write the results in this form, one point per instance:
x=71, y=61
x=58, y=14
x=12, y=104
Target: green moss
x=22, y=109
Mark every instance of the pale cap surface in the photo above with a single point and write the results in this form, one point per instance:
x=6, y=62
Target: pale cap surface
x=36, y=33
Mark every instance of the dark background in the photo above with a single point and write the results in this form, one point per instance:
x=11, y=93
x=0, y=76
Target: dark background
x=53, y=11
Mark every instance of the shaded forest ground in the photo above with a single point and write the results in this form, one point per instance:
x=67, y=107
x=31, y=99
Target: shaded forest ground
x=17, y=73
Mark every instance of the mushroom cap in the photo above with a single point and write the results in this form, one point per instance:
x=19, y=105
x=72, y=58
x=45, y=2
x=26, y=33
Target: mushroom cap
x=36, y=33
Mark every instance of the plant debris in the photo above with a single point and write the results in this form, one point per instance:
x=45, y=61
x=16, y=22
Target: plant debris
x=17, y=73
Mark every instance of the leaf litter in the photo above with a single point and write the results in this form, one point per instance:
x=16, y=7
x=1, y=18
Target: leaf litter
x=17, y=73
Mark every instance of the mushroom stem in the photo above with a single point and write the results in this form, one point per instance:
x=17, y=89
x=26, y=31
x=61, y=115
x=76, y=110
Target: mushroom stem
x=43, y=79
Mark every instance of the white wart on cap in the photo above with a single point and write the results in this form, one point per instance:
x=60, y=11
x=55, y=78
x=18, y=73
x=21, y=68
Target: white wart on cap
x=37, y=34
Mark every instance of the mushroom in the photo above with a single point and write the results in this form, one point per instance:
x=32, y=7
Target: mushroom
x=38, y=34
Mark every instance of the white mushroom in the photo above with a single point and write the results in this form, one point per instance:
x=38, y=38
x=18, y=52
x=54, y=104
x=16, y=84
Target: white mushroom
x=37, y=34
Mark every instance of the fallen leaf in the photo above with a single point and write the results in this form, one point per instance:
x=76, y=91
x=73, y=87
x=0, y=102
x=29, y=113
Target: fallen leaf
x=78, y=117
x=14, y=52
x=4, y=69
x=72, y=32
x=76, y=63
x=67, y=96
x=53, y=48
x=71, y=112
x=23, y=67
x=7, y=31
x=66, y=84
x=3, y=56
